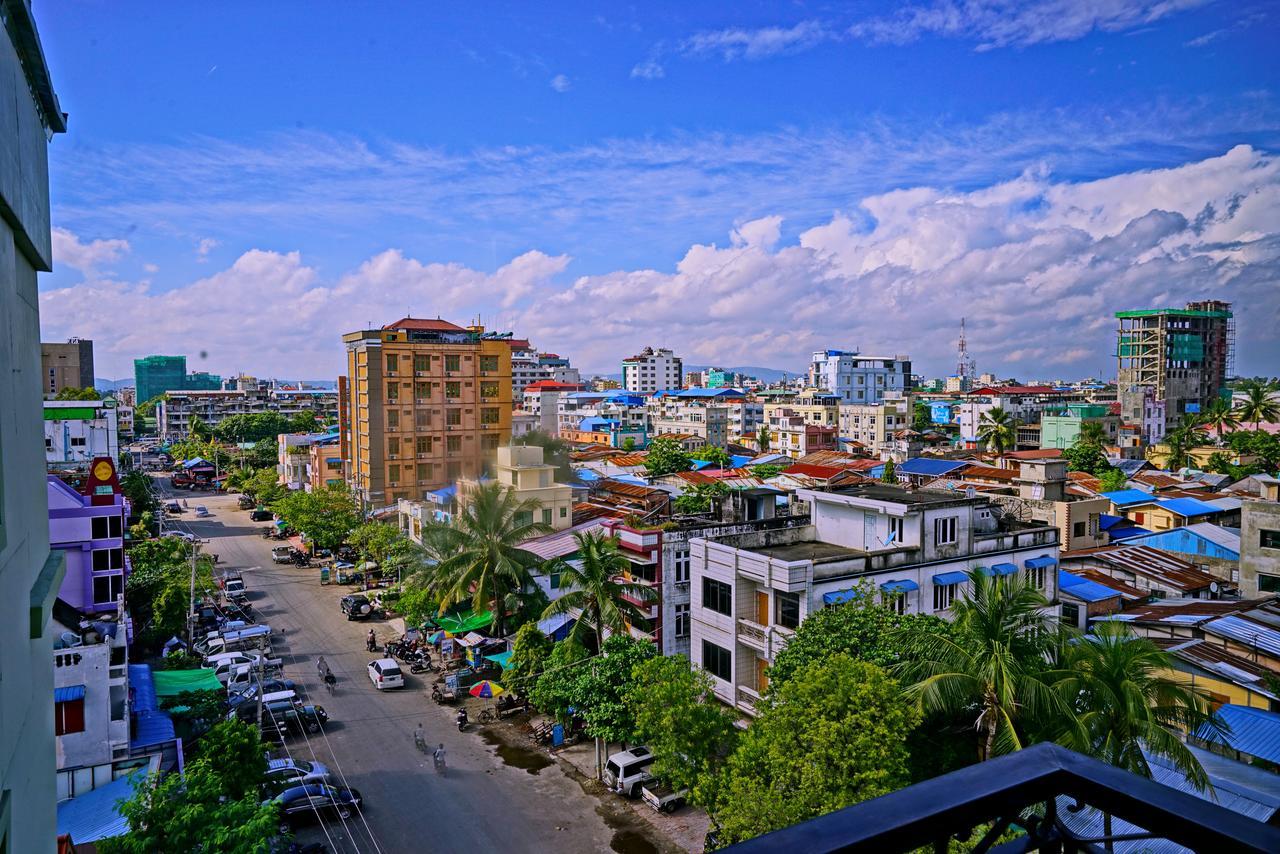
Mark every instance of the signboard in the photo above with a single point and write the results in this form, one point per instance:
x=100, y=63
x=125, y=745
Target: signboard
x=103, y=484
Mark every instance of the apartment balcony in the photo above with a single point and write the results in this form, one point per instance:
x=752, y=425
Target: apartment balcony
x=753, y=634
x=748, y=700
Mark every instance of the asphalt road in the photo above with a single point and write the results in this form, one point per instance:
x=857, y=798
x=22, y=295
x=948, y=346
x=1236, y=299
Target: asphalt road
x=481, y=805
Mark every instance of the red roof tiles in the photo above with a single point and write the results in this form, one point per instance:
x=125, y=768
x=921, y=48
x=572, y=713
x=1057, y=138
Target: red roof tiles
x=424, y=324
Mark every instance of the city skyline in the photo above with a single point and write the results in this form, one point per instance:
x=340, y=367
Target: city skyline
x=688, y=180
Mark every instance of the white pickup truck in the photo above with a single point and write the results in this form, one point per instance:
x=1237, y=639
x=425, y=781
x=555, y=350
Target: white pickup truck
x=662, y=797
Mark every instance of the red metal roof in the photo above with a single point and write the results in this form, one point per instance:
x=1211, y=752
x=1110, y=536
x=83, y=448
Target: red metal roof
x=1015, y=389
x=1042, y=454
x=552, y=385
x=519, y=344
x=424, y=324
x=818, y=472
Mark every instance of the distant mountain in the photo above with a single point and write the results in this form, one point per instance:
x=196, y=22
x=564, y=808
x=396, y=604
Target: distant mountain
x=112, y=385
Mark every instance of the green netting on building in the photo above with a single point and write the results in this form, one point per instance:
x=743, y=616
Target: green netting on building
x=1186, y=348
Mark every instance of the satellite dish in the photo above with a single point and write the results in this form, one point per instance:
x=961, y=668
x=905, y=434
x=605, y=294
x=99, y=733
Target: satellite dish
x=1213, y=587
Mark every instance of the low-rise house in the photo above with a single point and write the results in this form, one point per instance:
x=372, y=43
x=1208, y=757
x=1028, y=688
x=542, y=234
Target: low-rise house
x=1211, y=547
x=1223, y=675
x=912, y=548
x=1084, y=600
x=1151, y=570
x=1160, y=514
x=78, y=431
x=521, y=468
x=1260, y=540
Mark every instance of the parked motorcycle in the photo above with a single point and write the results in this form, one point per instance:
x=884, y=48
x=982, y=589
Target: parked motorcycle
x=421, y=666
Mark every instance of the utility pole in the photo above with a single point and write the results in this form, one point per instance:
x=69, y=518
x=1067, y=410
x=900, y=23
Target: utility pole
x=262, y=661
x=191, y=602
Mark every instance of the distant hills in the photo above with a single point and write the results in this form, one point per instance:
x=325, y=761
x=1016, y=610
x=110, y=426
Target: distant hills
x=112, y=385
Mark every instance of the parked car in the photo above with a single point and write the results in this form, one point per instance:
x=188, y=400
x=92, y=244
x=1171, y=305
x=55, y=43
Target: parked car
x=282, y=719
x=628, y=770
x=261, y=516
x=356, y=606
x=173, y=507
x=243, y=686
x=662, y=797
x=282, y=554
x=245, y=502
x=308, y=803
x=202, y=511
x=385, y=673
x=285, y=774
x=234, y=589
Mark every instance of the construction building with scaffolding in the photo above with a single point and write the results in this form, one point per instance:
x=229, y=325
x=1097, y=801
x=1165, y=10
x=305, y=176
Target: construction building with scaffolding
x=1172, y=361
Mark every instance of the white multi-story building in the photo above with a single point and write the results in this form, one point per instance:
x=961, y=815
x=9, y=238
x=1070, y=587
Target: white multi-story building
x=912, y=548
x=675, y=416
x=873, y=424
x=77, y=431
x=855, y=378
x=174, y=410
x=627, y=409
x=1024, y=403
x=528, y=366
x=652, y=370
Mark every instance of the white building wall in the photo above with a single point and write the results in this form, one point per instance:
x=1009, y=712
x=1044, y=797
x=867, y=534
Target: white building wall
x=77, y=441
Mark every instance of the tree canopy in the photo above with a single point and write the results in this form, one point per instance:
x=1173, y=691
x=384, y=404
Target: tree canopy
x=665, y=456
x=701, y=498
x=327, y=515
x=529, y=653
x=834, y=735
x=159, y=588
x=718, y=457
x=73, y=393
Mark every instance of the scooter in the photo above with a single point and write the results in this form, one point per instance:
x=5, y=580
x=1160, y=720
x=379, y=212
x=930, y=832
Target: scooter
x=462, y=720
x=421, y=666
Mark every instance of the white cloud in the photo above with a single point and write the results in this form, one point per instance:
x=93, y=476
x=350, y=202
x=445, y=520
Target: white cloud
x=751, y=44
x=204, y=247
x=68, y=249
x=151, y=268
x=561, y=83
x=1037, y=265
x=650, y=69
x=1015, y=23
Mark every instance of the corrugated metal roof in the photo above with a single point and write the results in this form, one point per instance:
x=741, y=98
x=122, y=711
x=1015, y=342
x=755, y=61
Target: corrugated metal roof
x=1125, y=497
x=1252, y=731
x=1189, y=507
x=150, y=725
x=928, y=466
x=1084, y=589
x=1163, y=567
x=94, y=815
x=1246, y=632
x=560, y=543
x=67, y=693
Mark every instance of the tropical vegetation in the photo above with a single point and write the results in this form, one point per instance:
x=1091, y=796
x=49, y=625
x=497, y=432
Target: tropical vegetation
x=596, y=586
x=998, y=429
x=665, y=456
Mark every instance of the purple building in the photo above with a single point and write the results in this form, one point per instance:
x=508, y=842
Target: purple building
x=91, y=533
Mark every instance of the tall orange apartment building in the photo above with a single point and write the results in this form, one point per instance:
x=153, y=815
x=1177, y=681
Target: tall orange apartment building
x=425, y=402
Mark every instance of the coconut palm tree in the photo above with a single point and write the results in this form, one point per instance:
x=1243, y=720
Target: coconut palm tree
x=1258, y=405
x=479, y=559
x=1092, y=433
x=1221, y=417
x=1182, y=439
x=990, y=663
x=998, y=429
x=596, y=590
x=1128, y=708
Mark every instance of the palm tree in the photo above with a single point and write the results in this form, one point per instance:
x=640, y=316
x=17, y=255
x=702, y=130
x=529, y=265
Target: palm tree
x=991, y=662
x=1258, y=405
x=480, y=559
x=998, y=429
x=1127, y=707
x=1221, y=417
x=595, y=588
x=763, y=439
x=1182, y=439
x=1092, y=433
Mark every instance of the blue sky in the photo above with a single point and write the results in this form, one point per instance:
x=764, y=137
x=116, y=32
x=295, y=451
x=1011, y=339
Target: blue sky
x=746, y=183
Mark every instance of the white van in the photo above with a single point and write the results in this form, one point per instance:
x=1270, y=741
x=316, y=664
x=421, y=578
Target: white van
x=385, y=673
x=627, y=771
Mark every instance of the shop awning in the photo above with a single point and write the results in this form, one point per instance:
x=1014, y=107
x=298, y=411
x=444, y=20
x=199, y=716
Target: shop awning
x=903, y=586
x=171, y=683
x=1004, y=568
x=68, y=693
x=944, y=579
x=838, y=596
x=501, y=659
x=1039, y=562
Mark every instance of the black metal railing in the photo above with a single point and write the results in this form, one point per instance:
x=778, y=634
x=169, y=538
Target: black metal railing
x=1027, y=791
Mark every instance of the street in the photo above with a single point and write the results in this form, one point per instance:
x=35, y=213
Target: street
x=482, y=804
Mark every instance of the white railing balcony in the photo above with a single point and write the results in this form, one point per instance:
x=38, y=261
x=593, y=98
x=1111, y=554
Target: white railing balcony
x=753, y=634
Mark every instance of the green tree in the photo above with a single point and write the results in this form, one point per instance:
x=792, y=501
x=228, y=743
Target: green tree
x=991, y=663
x=679, y=718
x=998, y=429
x=629, y=444
x=921, y=417
x=136, y=486
x=888, y=473
x=763, y=439
x=1113, y=480
x=417, y=604
x=1258, y=443
x=197, y=429
x=148, y=407
x=159, y=587
x=556, y=689
x=263, y=454
x=484, y=561
x=197, y=710
x=529, y=653
x=1258, y=405
x=252, y=427
x=764, y=471
x=593, y=586
x=859, y=628
x=73, y=393
x=304, y=422
x=1092, y=433
x=604, y=688
x=1181, y=440
x=327, y=515
x=833, y=736
x=264, y=486
x=1220, y=415
x=665, y=456
x=718, y=457
x=1086, y=458
x=378, y=541
x=701, y=498
x=236, y=750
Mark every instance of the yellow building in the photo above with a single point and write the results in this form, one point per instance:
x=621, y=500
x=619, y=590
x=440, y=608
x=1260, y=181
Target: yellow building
x=522, y=468
x=427, y=403
x=1158, y=455
x=814, y=405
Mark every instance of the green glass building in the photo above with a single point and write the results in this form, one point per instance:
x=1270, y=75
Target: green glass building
x=154, y=375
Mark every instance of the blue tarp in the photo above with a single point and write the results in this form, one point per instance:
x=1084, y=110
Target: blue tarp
x=150, y=724
x=1188, y=506
x=902, y=586
x=927, y=466
x=942, y=579
x=1252, y=731
x=838, y=596
x=1124, y=497
x=1004, y=568
x=1039, y=562
x=68, y=693
x=94, y=815
x=1083, y=588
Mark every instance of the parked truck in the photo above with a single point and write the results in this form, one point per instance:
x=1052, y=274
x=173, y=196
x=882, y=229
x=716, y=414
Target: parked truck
x=662, y=797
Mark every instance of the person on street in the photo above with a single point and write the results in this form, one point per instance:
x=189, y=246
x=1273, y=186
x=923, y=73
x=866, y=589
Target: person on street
x=322, y=667
x=420, y=738
x=371, y=641
x=438, y=757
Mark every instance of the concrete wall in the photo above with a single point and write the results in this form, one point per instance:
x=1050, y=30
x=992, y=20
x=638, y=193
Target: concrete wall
x=1255, y=560
x=29, y=576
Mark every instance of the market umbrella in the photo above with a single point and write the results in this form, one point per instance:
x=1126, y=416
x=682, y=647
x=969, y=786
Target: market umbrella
x=486, y=689
x=439, y=636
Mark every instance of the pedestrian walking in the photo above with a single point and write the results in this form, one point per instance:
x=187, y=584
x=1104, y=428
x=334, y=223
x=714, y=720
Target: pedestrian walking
x=438, y=757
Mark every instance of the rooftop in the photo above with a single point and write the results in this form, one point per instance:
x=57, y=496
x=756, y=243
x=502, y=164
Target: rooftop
x=424, y=324
x=813, y=550
x=891, y=494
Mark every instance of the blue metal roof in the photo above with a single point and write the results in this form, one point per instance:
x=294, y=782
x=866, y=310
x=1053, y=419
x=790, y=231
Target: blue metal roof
x=1106, y=521
x=1083, y=588
x=1252, y=731
x=151, y=725
x=1188, y=506
x=839, y=596
x=926, y=466
x=902, y=586
x=1246, y=632
x=68, y=693
x=94, y=815
x=586, y=474
x=1125, y=532
x=700, y=392
x=942, y=579
x=1124, y=497
x=1004, y=568
x=1040, y=562
x=445, y=492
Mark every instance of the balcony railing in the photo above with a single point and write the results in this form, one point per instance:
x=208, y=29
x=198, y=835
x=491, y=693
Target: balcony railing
x=753, y=634
x=1042, y=792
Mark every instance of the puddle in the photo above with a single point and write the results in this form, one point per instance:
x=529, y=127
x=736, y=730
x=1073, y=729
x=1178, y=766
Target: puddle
x=532, y=761
x=626, y=838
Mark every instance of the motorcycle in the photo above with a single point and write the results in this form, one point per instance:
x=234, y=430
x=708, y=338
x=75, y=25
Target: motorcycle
x=462, y=720
x=421, y=666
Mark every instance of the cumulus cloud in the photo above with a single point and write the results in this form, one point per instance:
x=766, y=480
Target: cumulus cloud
x=1036, y=264
x=561, y=83
x=70, y=250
